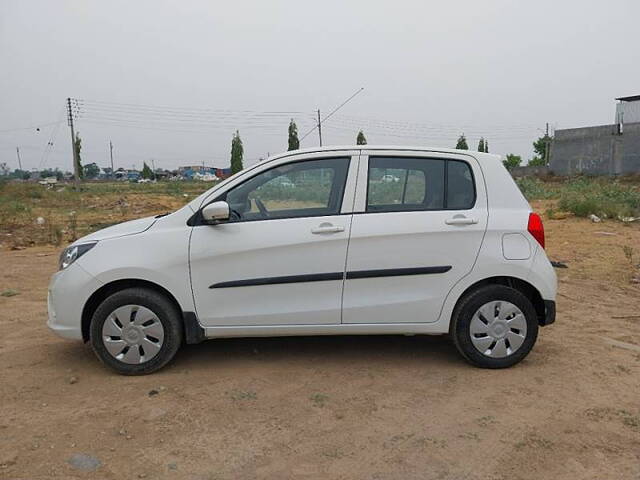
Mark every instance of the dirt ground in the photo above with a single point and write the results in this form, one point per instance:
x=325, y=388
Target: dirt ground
x=337, y=407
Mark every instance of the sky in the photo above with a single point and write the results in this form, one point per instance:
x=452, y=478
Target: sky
x=170, y=81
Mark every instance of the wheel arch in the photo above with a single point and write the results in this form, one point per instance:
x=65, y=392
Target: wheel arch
x=190, y=321
x=522, y=286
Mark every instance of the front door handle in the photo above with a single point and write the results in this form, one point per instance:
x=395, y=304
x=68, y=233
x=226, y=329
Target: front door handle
x=327, y=228
x=461, y=220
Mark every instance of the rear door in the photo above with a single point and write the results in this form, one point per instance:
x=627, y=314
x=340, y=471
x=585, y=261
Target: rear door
x=418, y=224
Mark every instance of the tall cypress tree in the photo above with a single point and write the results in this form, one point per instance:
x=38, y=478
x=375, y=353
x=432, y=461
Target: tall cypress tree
x=77, y=145
x=486, y=146
x=146, y=171
x=294, y=143
x=462, y=143
x=481, y=145
x=361, y=139
x=237, y=151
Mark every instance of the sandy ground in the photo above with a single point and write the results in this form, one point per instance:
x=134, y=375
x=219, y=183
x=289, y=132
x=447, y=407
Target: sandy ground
x=336, y=407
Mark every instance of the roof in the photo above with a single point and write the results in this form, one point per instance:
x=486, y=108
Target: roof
x=399, y=148
x=632, y=98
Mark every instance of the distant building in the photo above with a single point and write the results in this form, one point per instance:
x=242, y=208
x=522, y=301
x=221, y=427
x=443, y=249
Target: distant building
x=130, y=175
x=612, y=149
x=628, y=110
x=191, y=171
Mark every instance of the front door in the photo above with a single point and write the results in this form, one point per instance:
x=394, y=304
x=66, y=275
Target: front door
x=417, y=228
x=280, y=259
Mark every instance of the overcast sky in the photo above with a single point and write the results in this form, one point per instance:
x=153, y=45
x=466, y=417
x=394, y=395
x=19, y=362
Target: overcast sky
x=173, y=80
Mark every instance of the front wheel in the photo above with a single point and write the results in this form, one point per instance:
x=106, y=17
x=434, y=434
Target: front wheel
x=494, y=327
x=136, y=331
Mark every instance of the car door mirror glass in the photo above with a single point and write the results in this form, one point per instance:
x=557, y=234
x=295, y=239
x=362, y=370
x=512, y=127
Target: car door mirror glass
x=216, y=212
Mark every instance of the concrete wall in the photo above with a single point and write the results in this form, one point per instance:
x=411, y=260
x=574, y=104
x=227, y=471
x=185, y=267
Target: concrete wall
x=596, y=150
x=527, y=171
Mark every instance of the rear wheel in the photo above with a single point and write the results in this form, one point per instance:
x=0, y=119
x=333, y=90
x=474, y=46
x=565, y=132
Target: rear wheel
x=494, y=326
x=136, y=331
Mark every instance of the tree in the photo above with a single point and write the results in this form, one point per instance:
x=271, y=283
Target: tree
x=237, y=151
x=294, y=143
x=540, y=148
x=21, y=174
x=486, y=146
x=481, y=145
x=512, y=161
x=77, y=145
x=361, y=139
x=49, y=172
x=146, y=171
x=462, y=143
x=91, y=170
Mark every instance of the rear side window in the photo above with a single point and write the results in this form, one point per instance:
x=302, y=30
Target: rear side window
x=409, y=184
x=405, y=184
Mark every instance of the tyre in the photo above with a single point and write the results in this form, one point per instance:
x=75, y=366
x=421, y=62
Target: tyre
x=494, y=326
x=136, y=331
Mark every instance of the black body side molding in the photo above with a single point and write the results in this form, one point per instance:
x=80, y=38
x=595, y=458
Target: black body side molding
x=323, y=277
x=397, y=272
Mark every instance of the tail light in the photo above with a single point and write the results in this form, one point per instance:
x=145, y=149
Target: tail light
x=535, y=228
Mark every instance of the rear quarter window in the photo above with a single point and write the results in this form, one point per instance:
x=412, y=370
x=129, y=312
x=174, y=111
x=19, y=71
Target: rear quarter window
x=461, y=190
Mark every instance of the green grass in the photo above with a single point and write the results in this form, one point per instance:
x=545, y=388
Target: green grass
x=611, y=199
x=536, y=189
x=583, y=196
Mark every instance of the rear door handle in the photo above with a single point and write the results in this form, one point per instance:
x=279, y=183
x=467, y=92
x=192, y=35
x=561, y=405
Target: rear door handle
x=327, y=228
x=461, y=220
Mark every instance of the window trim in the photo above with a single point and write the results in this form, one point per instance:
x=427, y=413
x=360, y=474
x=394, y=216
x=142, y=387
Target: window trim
x=445, y=189
x=197, y=220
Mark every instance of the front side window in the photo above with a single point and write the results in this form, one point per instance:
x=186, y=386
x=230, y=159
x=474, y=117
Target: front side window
x=409, y=184
x=300, y=189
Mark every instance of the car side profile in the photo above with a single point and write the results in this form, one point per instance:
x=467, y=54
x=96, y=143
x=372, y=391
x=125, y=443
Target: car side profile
x=319, y=242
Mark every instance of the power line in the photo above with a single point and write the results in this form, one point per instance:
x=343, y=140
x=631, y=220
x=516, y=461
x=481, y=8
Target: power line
x=82, y=102
x=319, y=125
x=40, y=125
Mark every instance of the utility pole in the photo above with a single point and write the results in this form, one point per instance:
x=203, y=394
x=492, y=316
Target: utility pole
x=76, y=172
x=547, y=144
x=111, y=155
x=19, y=160
x=319, y=125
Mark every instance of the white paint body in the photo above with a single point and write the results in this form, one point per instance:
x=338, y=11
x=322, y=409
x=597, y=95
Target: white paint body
x=187, y=260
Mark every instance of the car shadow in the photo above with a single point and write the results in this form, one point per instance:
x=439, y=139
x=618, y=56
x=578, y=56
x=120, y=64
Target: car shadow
x=312, y=352
x=328, y=349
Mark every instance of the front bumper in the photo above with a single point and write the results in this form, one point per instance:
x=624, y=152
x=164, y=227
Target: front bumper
x=69, y=290
x=549, y=313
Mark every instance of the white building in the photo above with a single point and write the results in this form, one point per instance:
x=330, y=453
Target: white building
x=628, y=110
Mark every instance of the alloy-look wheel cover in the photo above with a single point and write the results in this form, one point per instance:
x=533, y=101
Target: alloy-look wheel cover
x=498, y=329
x=133, y=334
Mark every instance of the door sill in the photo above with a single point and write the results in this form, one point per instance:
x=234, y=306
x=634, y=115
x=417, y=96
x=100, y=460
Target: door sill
x=434, y=328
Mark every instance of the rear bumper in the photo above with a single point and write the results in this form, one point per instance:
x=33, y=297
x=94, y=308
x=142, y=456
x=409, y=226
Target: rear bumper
x=549, y=313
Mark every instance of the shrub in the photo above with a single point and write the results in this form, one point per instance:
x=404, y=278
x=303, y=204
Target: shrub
x=535, y=189
x=608, y=199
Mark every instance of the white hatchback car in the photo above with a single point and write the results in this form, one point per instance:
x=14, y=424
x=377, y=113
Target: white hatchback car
x=451, y=248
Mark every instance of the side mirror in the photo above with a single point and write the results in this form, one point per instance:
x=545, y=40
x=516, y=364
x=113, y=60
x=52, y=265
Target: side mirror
x=216, y=212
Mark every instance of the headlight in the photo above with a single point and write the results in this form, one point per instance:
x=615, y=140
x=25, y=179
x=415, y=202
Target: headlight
x=71, y=254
